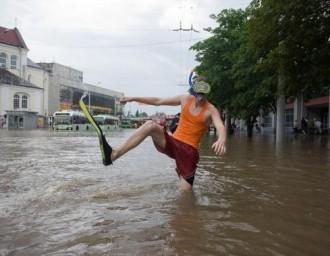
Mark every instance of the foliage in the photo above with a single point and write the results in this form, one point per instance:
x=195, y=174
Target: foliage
x=143, y=114
x=216, y=56
x=249, y=49
x=292, y=38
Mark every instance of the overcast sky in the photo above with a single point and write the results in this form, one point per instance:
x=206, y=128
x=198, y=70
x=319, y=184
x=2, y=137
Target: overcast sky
x=122, y=45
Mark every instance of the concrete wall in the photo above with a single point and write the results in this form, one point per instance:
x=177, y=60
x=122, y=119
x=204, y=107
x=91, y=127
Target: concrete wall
x=37, y=76
x=60, y=75
x=40, y=78
x=4, y=98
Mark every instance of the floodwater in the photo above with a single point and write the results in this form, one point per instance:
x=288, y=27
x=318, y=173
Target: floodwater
x=56, y=198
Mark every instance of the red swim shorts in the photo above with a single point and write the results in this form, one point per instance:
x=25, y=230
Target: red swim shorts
x=185, y=155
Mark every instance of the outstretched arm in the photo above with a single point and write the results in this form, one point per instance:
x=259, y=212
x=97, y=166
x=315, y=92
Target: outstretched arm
x=219, y=146
x=172, y=101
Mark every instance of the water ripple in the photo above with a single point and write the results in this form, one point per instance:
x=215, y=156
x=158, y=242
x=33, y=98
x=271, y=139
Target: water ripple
x=56, y=198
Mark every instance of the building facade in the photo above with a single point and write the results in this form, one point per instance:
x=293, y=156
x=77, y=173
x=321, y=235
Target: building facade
x=67, y=86
x=22, y=84
x=30, y=93
x=20, y=102
x=311, y=110
x=104, y=101
x=13, y=53
x=60, y=77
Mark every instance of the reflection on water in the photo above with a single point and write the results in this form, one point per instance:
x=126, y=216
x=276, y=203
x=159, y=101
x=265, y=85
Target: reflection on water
x=56, y=198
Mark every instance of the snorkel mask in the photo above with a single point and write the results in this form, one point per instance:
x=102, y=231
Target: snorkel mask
x=197, y=85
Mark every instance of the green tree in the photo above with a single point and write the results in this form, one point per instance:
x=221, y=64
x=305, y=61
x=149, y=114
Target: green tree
x=291, y=42
x=230, y=67
x=272, y=49
x=216, y=55
x=143, y=114
x=292, y=38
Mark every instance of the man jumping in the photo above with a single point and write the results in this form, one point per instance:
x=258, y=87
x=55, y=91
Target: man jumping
x=196, y=115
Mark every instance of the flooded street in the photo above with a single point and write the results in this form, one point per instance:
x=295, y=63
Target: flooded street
x=56, y=198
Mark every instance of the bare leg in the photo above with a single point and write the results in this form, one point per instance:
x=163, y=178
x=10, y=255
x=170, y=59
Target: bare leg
x=156, y=132
x=149, y=128
x=184, y=185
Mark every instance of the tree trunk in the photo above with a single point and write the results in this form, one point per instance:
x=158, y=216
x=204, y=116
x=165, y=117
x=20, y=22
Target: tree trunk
x=280, y=110
x=249, y=126
x=329, y=114
x=228, y=125
x=298, y=110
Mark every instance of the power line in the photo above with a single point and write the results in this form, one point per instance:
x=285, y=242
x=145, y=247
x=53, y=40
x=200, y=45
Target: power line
x=153, y=44
x=182, y=29
x=136, y=45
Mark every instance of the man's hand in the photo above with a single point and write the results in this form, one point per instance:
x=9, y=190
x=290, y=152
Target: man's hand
x=219, y=147
x=124, y=100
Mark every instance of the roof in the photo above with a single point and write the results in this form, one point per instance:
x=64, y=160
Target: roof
x=7, y=77
x=12, y=37
x=30, y=63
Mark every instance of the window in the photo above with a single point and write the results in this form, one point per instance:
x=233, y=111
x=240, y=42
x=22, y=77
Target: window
x=16, y=101
x=24, y=101
x=13, y=61
x=65, y=95
x=3, y=60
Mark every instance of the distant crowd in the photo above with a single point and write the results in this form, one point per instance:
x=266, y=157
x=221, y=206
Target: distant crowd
x=308, y=126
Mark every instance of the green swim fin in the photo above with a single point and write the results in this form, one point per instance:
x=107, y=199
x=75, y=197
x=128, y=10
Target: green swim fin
x=106, y=149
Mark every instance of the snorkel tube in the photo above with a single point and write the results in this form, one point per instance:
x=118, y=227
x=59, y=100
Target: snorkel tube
x=192, y=76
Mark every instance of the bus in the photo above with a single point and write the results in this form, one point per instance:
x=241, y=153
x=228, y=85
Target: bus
x=70, y=120
x=107, y=122
x=126, y=123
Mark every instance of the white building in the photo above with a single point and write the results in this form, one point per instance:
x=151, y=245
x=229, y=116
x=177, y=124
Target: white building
x=23, y=84
x=31, y=92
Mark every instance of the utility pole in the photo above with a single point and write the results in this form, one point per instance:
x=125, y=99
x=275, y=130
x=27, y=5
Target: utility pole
x=185, y=29
x=180, y=29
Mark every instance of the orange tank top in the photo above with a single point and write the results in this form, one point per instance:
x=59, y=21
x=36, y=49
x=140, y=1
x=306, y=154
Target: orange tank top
x=191, y=127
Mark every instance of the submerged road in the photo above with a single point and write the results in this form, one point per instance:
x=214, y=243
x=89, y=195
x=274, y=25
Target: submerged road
x=56, y=198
